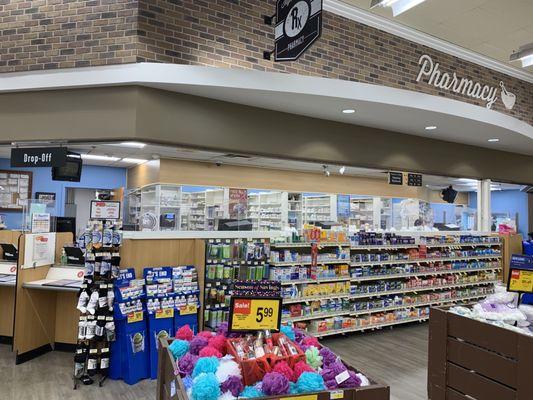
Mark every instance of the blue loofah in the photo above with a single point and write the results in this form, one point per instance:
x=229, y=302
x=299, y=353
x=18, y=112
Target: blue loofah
x=288, y=331
x=205, y=387
x=205, y=365
x=187, y=382
x=293, y=388
x=179, y=348
x=250, y=392
x=310, y=382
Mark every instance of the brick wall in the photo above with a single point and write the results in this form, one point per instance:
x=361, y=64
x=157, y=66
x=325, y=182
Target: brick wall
x=48, y=34
x=231, y=34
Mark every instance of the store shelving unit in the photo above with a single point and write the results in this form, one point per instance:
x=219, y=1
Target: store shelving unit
x=156, y=202
x=193, y=217
x=268, y=211
x=216, y=205
x=362, y=212
x=295, y=210
x=319, y=208
x=462, y=272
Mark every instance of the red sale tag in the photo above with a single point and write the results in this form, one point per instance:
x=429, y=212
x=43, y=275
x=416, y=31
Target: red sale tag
x=242, y=306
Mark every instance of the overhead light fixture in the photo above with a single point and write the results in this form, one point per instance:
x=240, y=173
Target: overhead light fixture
x=348, y=111
x=326, y=170
x=134, y=160
x=493, y=140
x=523, y=54
x=98, y=157
x=342, y=170
x=398, y=6
x=135, y=145
x=430, y=128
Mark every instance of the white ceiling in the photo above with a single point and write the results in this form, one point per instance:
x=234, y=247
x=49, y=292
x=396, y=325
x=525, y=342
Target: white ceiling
x=151, y=151
x=494, y=28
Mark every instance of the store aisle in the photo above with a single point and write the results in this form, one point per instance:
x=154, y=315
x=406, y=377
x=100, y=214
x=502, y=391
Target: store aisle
x=397, y=357
x=49, y=378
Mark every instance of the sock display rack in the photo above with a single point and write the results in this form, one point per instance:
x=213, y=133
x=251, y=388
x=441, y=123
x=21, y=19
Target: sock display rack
x=378, y=280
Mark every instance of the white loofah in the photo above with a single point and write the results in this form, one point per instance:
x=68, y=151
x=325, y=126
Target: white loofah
x=227, y=368
x=226, y=396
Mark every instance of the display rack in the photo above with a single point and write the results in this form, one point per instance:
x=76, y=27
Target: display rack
x=217, y=206
x=193, y=211
x=268, y=210
x=362, y=212
x=228, y=260
x=384, y=282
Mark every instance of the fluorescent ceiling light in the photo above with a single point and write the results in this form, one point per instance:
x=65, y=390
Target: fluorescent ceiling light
x=524, y=54
x=493, y=140
x=348, y=111
x=466, y=180
x=96, y=157
x=136, y=145
x=431, y=128
x=398, y=6
x=134, y=160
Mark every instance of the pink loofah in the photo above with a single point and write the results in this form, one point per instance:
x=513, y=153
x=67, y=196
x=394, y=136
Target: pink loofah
x=185, y=333
x=283, y=368
x=300, y=368
x=205, y=334
x=209, y=351
x=311, y=341
x=219, y=343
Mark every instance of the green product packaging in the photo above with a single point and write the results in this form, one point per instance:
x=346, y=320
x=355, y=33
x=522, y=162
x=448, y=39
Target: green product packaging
x=227, y=272
x=219, y=271
x=211, y=271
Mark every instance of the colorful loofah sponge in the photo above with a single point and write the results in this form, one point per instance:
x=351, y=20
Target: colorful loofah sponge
x=185, y=333
x=209, y=351
x=275, y=384
x=205, y=365
x=179, y=348
x=205, y=387
x=310, y=382
x=197, y=344
x=186, y=364
x=219, y=343
x=313, y=358
x=283, y=368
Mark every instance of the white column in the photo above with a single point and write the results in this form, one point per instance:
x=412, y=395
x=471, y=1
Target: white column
x=483, y=205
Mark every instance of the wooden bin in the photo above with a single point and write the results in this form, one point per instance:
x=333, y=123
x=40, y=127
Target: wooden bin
x=170, y=386
x=470, y=359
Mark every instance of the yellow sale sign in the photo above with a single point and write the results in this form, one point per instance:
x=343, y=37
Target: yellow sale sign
x=521, y=280
x=255, y=314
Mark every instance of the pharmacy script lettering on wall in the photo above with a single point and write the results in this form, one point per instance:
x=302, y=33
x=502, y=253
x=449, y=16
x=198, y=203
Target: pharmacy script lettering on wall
x=430, y=71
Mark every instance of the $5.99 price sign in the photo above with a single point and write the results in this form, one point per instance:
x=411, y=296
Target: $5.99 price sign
x=520, y=280
x=254, y=314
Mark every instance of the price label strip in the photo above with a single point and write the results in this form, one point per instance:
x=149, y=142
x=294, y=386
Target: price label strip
x=254, y=314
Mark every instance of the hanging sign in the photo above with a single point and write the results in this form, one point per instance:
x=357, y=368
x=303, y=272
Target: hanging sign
x=414, y=179
x=39, y=157
x=299, y=25
x=431, y=72
x=105, y=209
x=396, y=178
x=254, y=314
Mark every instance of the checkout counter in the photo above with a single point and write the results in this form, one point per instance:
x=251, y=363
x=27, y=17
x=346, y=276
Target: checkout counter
x=8, y=278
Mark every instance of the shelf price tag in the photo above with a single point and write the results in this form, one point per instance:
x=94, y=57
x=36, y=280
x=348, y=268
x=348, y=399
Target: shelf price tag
x=188, y=309
x=135, y=316
x=254, y=314
x=164, y=313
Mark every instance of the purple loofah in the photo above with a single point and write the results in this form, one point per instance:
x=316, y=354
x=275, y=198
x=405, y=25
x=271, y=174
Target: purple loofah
x=186, y=364
x=275, y=384
x=223, y=329
x=352, y=382
x=197, y=344
x=328, y=357
x=233, y=384
x=332, y=371
x=331, y=384
x=299, y=335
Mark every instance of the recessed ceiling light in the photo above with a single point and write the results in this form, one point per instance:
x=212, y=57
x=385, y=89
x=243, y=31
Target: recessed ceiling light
x=430, y=128
x=135, y=145
x=348, y=111
x=493, y=140
x=98, y=157
x=134, y=160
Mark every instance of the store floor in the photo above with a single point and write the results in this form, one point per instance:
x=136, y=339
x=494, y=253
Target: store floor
x=397, y=357
x=49, y=377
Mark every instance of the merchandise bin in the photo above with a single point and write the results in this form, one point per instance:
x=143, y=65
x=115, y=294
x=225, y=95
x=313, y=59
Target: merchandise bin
x=473, y=359
x=170, y=386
